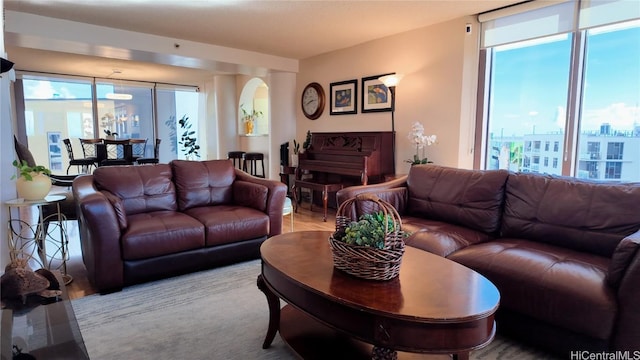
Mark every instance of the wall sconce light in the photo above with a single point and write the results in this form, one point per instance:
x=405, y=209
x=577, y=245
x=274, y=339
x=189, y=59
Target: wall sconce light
x=391, y=81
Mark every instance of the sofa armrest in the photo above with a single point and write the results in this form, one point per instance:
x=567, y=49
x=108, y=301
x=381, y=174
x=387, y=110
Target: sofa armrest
x=627, y=332
x=276, y=193
x=99, y=235
x=393, y=192
x=250, y=194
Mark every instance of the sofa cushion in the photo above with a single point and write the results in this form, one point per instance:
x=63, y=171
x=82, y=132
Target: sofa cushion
x=470, y=198
x=439, y=237
x=160, y=233
x=230, y=223
x=560, y=286
x=250, y=195
x=621, y=259
x=569, y=212
x=203, y=183
x=141, y=188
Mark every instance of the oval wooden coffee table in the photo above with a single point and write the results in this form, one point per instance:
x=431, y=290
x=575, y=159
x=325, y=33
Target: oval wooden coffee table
x=434, y=306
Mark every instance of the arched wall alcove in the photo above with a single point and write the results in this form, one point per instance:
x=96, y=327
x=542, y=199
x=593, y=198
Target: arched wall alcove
x=255, y=97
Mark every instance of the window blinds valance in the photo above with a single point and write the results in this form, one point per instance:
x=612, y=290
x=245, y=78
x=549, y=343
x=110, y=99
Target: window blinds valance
x=602, y=12
x=527, y=21
x=537, y=19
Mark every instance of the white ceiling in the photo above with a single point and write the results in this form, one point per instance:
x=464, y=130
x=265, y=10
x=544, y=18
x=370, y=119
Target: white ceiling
x=291, y=29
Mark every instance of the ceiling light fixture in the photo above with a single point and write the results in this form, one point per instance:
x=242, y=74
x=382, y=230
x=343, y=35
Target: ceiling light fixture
x=118, y=96
x=114, y=95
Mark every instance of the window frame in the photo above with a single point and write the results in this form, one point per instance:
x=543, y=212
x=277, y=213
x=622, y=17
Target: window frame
x=569, y=156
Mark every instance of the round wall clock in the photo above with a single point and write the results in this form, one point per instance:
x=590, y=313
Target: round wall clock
x=313, y=101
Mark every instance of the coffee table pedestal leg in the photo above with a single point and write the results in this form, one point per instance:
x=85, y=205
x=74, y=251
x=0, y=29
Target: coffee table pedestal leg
x=381, y=353
x=274, y=312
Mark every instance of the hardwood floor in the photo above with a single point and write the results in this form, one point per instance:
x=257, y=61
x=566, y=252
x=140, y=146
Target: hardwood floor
x=304, y=219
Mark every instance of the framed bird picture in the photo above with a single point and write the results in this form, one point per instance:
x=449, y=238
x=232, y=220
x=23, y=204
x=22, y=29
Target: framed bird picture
x=375, y=95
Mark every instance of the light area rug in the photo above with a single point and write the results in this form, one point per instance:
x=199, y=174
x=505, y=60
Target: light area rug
x=213, y=314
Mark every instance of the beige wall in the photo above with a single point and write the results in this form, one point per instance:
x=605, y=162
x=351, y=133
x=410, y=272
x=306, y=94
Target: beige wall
x=439, y=64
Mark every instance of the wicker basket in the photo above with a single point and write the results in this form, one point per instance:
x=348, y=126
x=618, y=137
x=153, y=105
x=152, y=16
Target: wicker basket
x=364, y=261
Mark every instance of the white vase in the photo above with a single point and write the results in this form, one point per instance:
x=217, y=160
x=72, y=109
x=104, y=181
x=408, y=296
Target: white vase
x=35, y=189
x=294, y=160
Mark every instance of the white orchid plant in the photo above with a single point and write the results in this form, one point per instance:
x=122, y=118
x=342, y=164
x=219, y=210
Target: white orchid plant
x=420, y=141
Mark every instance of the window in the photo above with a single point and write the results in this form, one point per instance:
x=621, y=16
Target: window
x=589, y=170
x=614, y=170
x=614, y=150
x=125, y=109
x=551, y=78
x=174, y=104
x=56, y=109
x=593, y=150
x=59, y=107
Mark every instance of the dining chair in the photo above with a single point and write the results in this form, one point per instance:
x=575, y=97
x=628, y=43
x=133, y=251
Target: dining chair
x=83, y=164
x=118, y=152
x=156, y=155
x=89, y=149
x=138, y=148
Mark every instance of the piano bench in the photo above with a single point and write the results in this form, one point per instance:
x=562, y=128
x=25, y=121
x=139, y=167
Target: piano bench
x=325, y=188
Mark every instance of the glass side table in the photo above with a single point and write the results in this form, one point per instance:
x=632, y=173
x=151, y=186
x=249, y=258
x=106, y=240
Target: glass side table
x=48, y=331
x=27, y=238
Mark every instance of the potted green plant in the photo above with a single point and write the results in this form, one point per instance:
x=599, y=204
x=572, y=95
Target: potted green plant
x=190, y=147
x=32, y=182
x=249, y=119
x=307, y=141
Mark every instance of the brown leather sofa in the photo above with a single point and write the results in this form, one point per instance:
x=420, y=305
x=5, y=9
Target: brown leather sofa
x=562, y=251
x=140, y=223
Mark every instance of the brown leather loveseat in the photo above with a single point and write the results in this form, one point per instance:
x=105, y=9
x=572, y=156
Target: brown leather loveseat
x=139, y=223
x=562, y=251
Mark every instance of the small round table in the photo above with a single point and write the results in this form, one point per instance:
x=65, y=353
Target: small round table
x=26, y=238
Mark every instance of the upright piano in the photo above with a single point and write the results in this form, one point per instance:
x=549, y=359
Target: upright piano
x=350, y=158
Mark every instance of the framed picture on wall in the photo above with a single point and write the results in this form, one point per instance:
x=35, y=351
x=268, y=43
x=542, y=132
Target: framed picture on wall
x=375, y=96
x=344, y=95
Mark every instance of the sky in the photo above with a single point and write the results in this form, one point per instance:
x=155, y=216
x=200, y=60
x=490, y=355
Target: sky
x=530, y=83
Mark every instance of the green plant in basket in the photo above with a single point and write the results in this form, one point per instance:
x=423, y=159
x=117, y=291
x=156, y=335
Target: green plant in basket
x=369, y=230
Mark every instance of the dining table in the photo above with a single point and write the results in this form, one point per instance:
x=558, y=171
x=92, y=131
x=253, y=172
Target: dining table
x=124, y=158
